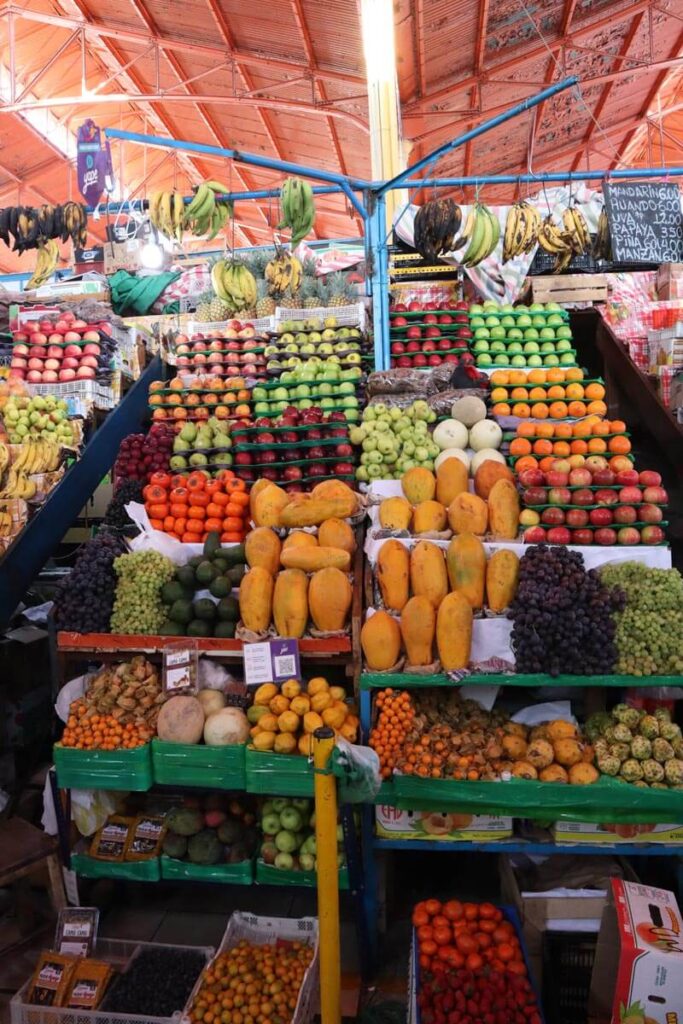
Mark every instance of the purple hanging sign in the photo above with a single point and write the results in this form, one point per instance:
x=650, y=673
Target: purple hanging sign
x=93, y=164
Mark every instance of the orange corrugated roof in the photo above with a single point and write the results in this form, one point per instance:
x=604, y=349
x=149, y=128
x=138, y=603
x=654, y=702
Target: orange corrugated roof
x=286, y=78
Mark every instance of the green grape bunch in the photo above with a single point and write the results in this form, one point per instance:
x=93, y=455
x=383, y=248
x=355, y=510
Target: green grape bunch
x=137, y=604
x=649, y=634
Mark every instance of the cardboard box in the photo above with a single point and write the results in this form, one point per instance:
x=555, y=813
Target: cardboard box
x=391, y=823
x=638, y=969
x=590, y=832
x=670, y=281
x=122, y=256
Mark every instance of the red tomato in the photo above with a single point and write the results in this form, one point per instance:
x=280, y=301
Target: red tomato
x=466, y=943
x=483, y=939
x=487, y=910
x=439, y=921
x=420, y=917
x=471, y=911
x=428, y=948
x=505, y=952
x=432, y=907
x=474, y=962
x=453, y=910
x=443, y=936
x=425, y=931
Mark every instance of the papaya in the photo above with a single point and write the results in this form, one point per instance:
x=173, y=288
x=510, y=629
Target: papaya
x=268, y=505
x=489, y=473
x=395, y=514
x=429, y=517
x=468, y=514
x=333, y=489
x=418, y=485
x=262, y=547
x=256, y=598
x=335, y=533
x=256, y=489
x=418, y=626
x=451, y=480
x=502, y=575
x=299, y=538
x=454, y=631
x=329, y=599
x=466, y=564
x=504, y=510
x=310, y=559
x=380, y=639
x=290, y=602
x=317, y=510
x=428, y=572
x=393, y=574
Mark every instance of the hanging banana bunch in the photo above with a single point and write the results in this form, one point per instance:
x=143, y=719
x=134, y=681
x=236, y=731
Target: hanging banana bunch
x=522, y=225
x=234, y=284
x=46, y=264
x=282, y=272
x=28, y=227
x=205, y=214
x=166, y=213
x=436, y=225
x=576, y=229
x=556, y=241
x=480, y=234
x=602, y=248
x=298, y=208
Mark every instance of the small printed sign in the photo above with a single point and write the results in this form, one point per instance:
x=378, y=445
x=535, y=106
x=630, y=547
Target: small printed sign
x=181, y=667
x=271, y=662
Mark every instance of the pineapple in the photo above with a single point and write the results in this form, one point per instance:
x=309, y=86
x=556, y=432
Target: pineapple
x=203, y=309
x=289, y=301
x=309, y=293
x=218, y=310
x=341, y=293
x=266, y=303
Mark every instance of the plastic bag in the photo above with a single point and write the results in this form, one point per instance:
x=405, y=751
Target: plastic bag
x=70, y=692
x=357, y=769
x=213, y=675
x=90, y=809
x=150, y=539
x=537, y=714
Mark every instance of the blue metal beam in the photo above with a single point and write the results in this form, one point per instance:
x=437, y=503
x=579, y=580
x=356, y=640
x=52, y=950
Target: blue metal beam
x=401, y=180
x=543, y=177
x=26, y=556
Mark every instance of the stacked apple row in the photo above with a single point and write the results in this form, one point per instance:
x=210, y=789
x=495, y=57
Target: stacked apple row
x=234, y=351
x=59, y=349
x=203, y=398
x=427, y=334
x=591, y=504
x=297, y=450
x=536, y=336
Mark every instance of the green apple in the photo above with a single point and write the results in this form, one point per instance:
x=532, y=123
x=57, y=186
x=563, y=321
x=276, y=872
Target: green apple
x=530, y=334
x=497, y=346
x=518, y=361
x=563, y=345
x=534, y=360
x=484, y=359
x=515, y=334
x=551, y=360
x=524, y=320
x=515, y=347
x=498, y=333
x=563, y=332
x=546, y=334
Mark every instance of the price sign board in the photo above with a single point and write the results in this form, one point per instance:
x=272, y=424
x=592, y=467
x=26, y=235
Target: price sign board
x=645, y=221
x=271, y=662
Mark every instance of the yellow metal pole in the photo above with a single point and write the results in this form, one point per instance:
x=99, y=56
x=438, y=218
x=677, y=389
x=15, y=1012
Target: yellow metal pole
x=328, y=876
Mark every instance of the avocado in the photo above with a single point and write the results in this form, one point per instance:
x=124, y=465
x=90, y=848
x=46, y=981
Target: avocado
x=205, y=572
x=181, y=611
x=220, y=587
x=205, y=848
x=228, y=609
x=221, y=565
x=174, y=845
x=233, y=555
x=224, y=630
x=172, y=629
x=198, y=628
x=195, y=560
x=185, y=576
x=236, y=573
x=212, y=544
x=185, y=821
x=171, y=592
x=204, y=609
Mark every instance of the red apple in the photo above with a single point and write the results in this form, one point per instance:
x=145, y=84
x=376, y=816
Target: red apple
x=35, y=364
x=535, y=496
x=85, y=373
x=37, y=352
x=534, y=535
x=652, y=535
x=601, y=516
x=72, y=364
x=20, y=350
x=65, y=375
x=595, y=462
x=559, y=496
x=627, y=477
x=398, y=321
x=18, y=364
x=72, y=336
x=655, y=496
x=580, y=477
x=650, y=514
x=625, y=514
x=444, y=344
x=420, y=359
x=415, y=306
x=605, y=537
x=605, y=497
x=556, y=479
x=582, y=536
x=553, y=516
x=413, y=346
x=603, y=477
x=430, y=318
x=584, y=496
x=576, y=517
x=50, y=376
x=397, y=348
x=435, y=359
x=34, y=376
x=630, y=495
x=429, y=346
x=404, y=361
x=73, y=351
x=531, y=478
x=559, y=535
x=628, y=535
x=432, y=332
x=52, y=364
x=648, y=478
x=445, y=318
x=399, y=307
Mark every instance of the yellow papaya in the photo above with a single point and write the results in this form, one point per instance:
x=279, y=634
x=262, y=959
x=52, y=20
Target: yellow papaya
x=504, y=510
x=335, y=533
x=290, y=602
x=395, y=514
x=418, y=485
x=264, y=741
x=265, y=693
x=333, y=489
x=468, y=514
x=299, y=538
x=262, y=547
x=429, y=517
x=451, y=480
x=268, y=505
x=502, y=575
x=310, y=559
x=317, y=510
x=329, y=599
x=256, y=489
x=466, y=564
x=454, y=631
x=418, y=626
x=428, y=572
x=380, y=639
x=393, y=574
x=256, y=598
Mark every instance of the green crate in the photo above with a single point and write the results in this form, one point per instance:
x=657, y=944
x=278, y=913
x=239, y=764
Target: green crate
x=230, y=874
x=130, y=870
x=130, y=770
x=193, y=764
x=279, y=774
x=268, y=874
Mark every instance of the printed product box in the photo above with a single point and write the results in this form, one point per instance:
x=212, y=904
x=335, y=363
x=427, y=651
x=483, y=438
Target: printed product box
x=638, y=970
x=391, y=823
x=589, y=832
x=670, y=281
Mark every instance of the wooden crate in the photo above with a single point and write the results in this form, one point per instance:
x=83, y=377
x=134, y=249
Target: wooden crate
x=570, y=289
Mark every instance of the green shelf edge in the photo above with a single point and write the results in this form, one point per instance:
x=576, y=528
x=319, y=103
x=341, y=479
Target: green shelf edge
x=380, y=680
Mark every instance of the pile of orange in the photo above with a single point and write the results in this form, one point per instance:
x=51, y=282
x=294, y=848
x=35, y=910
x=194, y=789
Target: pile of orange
x=555, y=375
x=394, y=721
x=203, y=398
x=591, y=436
x=558, y=401
x=86, y=731
x=590, y=427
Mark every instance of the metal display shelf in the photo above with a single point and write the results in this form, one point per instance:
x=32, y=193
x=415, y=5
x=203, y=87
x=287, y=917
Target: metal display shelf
x=117, y=643
x=403, y=680
x=531, y=847
x=26, y=556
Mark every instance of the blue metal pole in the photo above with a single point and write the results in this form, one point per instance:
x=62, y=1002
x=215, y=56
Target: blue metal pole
x=377, y=254
x=514, y=179
x=401, y=180
x=265, y=193
x=237, y=156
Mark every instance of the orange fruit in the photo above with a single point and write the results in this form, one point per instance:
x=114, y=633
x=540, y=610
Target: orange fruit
x=576, y=409
x=562, y=430
x=561, y=449
x=573, y=391
x=595, y=391
x=521, y=409
x=536, y=377
x=501, y=409
x=596, y=446
x=499, y=377
x=539, y=410
x=579, y=447
x=617, y=427
x=545, y=430
x=520, y=446
x=598, y=408
x=543, y=447
x=516, y=377
x=546, y=463
x=519, y=394
x=526, y=462
x=558, y=410
x=556, y=391
x=555, y=375
x=619, y=445
x=526, y=430
x=537, y=395
x=600, y=428
x=499, y=395
x=573, y=373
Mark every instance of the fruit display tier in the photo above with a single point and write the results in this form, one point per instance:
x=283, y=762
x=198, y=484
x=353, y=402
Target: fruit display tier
x=199, y=399
x=115, y=643
x=402, y=680
x=223, y=353
x=523, y=336
x=62, y=349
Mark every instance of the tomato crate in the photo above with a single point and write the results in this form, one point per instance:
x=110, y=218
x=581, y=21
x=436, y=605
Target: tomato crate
x=104, y=769
x=194, y=764
x=284, y=774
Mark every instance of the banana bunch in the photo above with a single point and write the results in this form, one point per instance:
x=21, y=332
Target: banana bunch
x=4, y=458
x=283, y=272
x=574, y=224
x=480, y=234
x=234, y=284
x=74, y=222
x=207, y=214
x=521, y=230
x=46, y=264
x=298, y=208
x=18, y=485
x=167, y=214
x=602, y=249
x=29, y=226
x=5, y=523
x=556, y=241
x=37, y=457
x=436, y=225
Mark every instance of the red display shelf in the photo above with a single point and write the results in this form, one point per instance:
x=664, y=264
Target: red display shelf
x=104, y=643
